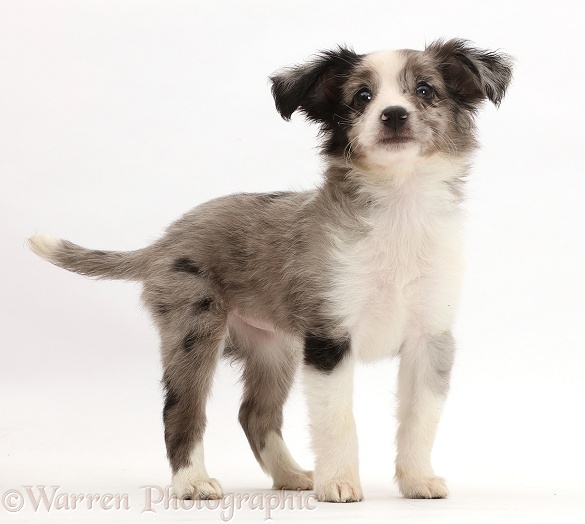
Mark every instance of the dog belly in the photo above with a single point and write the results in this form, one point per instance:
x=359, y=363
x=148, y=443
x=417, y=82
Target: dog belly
x=257, y=337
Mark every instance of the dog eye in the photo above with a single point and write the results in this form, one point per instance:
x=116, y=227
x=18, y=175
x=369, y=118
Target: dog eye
x=363, y=97
x=424, y=91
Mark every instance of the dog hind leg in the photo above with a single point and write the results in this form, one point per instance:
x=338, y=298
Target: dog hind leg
x=187, y=382
x=269, y=366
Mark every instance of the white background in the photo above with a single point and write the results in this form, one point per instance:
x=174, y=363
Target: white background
x=118, y=116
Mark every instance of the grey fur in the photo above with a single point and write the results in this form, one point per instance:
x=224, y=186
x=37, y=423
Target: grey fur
x=266, y=387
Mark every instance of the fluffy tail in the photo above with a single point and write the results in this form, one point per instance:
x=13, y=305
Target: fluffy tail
x=119, y=265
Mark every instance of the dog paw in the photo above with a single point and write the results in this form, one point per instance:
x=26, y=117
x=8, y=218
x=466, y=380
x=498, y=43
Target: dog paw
x=423, y=487
x=339, y=491
x=294, y=480
x=192, y=488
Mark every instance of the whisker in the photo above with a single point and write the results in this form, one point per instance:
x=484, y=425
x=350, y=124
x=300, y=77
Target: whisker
x=348, y=151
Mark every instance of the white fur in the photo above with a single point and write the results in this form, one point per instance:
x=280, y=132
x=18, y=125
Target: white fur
x=333, y=433
x=44, y=245
x=394, y=287
x=284, y=470
x=388, y=66
x=407, y=270
x=419, y=412
x=194, y=479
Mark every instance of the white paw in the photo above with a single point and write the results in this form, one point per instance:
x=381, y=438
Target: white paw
x=339, y=491
x=422, y=487
x=186, y=486
x=294, y=480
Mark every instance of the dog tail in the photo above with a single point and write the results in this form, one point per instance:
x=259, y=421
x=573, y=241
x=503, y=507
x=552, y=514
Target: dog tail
x=117, y=265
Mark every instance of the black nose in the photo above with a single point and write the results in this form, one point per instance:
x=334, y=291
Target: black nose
x=394, y=117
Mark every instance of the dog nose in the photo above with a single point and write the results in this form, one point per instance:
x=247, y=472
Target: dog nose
x=394, y=117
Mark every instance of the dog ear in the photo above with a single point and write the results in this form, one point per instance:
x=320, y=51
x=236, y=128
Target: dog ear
x=315, y=87
x=472, y=74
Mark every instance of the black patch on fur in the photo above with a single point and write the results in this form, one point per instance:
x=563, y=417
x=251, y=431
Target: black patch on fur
x=203, y=305
x=472, y=74
x=186, y=265
x=177, y=443
x=325, y=354
x=315, y=87
x=190, y=340
x=171, y=396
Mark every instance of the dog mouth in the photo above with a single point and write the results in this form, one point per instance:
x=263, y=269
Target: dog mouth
x=397, y=140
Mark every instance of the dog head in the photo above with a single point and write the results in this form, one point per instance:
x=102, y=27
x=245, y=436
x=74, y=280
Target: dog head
x=385, y=106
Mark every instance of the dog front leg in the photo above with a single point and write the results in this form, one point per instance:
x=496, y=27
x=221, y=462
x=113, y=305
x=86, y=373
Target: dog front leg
x=328, y=381
x=423, y=383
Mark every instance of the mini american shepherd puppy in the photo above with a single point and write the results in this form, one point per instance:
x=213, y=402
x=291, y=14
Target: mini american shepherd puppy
x=364, y=267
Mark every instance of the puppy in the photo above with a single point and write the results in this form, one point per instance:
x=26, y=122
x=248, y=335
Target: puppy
x=364, y=267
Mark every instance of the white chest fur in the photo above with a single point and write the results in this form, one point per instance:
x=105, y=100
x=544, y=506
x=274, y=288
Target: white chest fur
x=402, y=277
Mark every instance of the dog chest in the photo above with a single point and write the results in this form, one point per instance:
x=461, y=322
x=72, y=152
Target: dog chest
x=389, y=277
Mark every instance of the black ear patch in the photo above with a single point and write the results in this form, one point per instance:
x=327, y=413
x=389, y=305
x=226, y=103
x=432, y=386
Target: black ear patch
x=315, y=87
x=472, y=75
